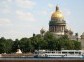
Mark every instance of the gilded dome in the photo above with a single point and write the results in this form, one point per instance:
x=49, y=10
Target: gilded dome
x=57, y=13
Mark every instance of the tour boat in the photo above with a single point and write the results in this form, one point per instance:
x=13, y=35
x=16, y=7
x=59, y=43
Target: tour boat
x=61, y=54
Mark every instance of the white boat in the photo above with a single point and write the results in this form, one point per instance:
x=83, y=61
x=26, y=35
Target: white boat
x=62, y=53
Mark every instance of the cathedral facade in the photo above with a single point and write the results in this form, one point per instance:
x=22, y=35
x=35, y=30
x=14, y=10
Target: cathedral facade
x=57, y=25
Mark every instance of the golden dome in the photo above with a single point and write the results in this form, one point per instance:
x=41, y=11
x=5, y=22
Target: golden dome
x=57, y=13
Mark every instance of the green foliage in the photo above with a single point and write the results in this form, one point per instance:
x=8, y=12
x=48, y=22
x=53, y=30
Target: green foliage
x=25, y=45
x=68, y=44
x=47, y=41
x=8, y=45
x=15, y=45
x=5, y=45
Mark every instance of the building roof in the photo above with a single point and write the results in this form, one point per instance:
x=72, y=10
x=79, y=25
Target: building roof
x=57, y=13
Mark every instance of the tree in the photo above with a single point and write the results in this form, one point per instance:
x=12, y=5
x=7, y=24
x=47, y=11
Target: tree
x=51, y=41
x=15, y=45
x=5, y=45
x=42, y=31
x=25, y=45
x=8, y=45
x=77, y=45
x=2, y=45
x=39, y=41
x=35, y=41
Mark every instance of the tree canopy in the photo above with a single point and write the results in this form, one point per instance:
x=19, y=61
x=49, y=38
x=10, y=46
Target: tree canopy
x=47, y=41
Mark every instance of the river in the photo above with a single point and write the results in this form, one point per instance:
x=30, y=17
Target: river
x=26, y=58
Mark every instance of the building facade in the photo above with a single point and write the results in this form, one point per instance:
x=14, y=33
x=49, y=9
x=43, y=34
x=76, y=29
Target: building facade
x=82, y=41
x=57, y=23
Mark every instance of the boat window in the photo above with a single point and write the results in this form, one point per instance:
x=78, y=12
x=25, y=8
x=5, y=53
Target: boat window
x=79, y=52
x=64, y=52
x=35, y=52
x=59, y=52
x=71, y=52
x=76, y=52
x=46, y=52
x=53, y=52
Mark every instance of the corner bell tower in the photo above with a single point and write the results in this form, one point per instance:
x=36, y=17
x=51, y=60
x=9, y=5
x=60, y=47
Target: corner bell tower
x=57, y=23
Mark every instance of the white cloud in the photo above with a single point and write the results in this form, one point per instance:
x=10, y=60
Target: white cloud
x=13, y=34
x=9, y=0
x=50, y=5
x=66, y=12
x=6, y=1
x=25, y=15
x=25, y=3
x=4, y=4
x=5, y=8
x=4, y=21
x=44, y=12
x=6, y=11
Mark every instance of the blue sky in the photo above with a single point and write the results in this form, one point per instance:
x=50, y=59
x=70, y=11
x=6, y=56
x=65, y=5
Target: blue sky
x=22, y=18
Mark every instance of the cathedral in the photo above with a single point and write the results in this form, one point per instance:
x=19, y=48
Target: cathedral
x=57, y=25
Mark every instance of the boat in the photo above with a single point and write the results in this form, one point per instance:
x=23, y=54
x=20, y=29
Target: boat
x=59, y=54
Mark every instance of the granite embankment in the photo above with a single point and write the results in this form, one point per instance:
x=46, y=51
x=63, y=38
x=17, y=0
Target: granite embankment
x=41, y=60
